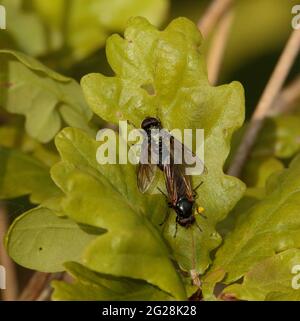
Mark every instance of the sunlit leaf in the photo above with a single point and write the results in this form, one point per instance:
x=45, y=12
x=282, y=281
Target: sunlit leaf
x=163, y=74
x=132, y=247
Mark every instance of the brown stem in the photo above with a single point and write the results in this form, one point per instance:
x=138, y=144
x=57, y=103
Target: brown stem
x=11, y=291
x=287, y=100
x=218, y=46
x=266, y=101
x=35, y=286
x=38, y=287
x=214, y=12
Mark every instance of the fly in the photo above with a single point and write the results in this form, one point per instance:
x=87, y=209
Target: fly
x=180, y=195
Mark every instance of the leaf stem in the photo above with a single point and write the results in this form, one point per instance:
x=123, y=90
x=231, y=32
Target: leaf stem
x=287, y=99
x=266, y=101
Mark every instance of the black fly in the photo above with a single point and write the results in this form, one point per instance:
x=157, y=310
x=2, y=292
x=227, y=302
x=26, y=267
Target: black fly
x=181, y=196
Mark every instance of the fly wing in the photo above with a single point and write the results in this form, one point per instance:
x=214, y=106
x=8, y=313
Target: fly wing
x=145, y=176
x=146, y=171
x=187, y=156
x=170, y=183
x=181, y=182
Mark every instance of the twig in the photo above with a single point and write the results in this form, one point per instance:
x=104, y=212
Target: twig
x=273, y=87
x=45, y=295
x=35, y=286
x=38, y=287
x=287, y=99
x=212, y=15
x=11, y=292
x=218, y=46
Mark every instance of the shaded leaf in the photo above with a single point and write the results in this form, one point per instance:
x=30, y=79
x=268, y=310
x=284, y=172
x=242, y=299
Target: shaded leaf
x=272, y=226
x=40, y=240
x=280, y=137
x=270, y=279
x=13, y=136
x=19, y=22
x=22, y=174
x=79, y=27
x=258, y=169
x=41, y=95
x=90, y=285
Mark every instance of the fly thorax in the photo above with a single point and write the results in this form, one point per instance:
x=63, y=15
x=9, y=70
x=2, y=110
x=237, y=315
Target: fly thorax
x=184, y=207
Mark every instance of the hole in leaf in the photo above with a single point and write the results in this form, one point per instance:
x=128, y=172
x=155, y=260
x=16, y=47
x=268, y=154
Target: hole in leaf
x=149, y=88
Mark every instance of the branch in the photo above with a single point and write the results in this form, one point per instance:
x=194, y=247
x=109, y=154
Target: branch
x=266, y=101
x=38, y=287
x=215, y=11
x=11, y=292
x=287, y=100
x=35, y=286
x=217, y=48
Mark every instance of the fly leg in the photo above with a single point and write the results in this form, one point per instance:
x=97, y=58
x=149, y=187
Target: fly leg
x=195, y=195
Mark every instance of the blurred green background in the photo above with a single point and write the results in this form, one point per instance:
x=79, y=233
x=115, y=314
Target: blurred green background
x=69, y=35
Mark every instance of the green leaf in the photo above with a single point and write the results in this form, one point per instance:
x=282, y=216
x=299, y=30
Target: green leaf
x=258, y=169
x=240, y=211
x=19, y=21
x=41, y=95
x=90, y=285
x=13, y=136
x=270, y=279
x=163, y=74
x=79, y=27
x=22, y=174
x=114, y=14
x=271, y=226
x=40, y=240
x=280, y=137
x=133, y=246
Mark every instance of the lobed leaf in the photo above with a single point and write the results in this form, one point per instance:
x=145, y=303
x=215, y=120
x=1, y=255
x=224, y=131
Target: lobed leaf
x=163, y=74
x=270, y=279
x=272, y=226
x=44, y=97
x=132, y=247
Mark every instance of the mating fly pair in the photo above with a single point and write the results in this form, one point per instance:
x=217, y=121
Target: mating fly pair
x=181, y=196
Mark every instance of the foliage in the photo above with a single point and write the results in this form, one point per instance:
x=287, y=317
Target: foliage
x=90, y=219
